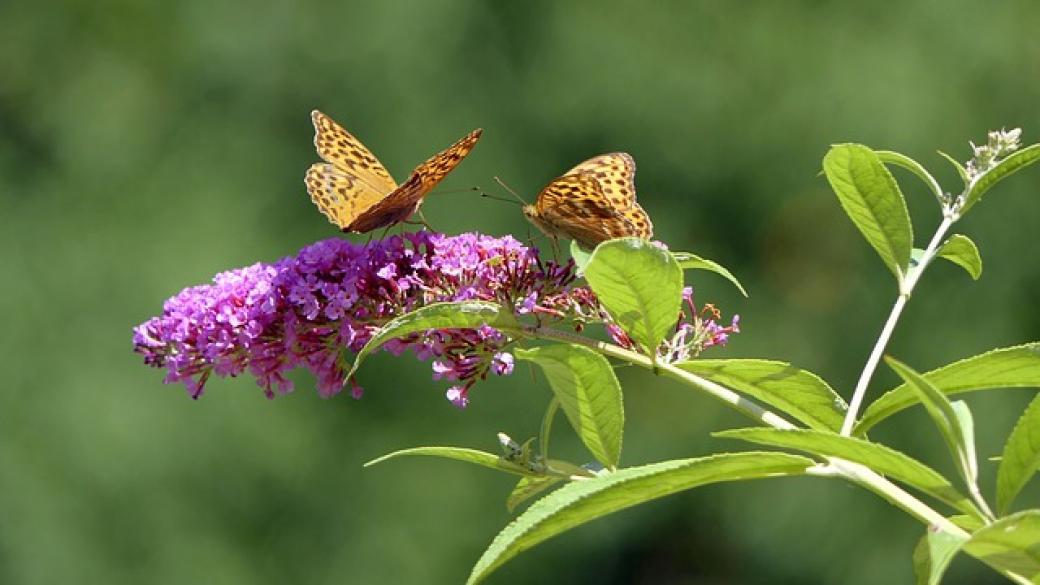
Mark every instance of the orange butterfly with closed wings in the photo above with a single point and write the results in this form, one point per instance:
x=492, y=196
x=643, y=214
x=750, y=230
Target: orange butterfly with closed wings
x=356, y=192
x=593, y=202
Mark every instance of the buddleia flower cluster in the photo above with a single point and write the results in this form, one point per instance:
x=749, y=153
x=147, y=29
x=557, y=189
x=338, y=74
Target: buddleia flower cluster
x=310, y=309
x=999, y=144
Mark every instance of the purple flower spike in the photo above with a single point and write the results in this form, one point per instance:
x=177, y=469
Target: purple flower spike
x=334, y=295
x=303, y=311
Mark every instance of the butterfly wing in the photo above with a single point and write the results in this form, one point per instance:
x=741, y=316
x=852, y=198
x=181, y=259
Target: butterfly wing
x=339, y=147
x=403, y=201
x=641, y=225
x=351, y=180
x=339, y=195
x=574, y=206
x=616, y=173
x=439, y=165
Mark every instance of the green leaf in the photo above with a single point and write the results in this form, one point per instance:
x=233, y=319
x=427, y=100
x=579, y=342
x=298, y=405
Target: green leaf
x=457, y=315
x=640, y=285
x=529, y=487
x=1008, y=367
x=963, y=252
x=581, y=257
x=1021, y=458
x=1011, y=544
x=878, y=457
x=690, y=261
x=589, y=394
x=799, y=393
x=871, y=198
x=895, y=158
x=967, y=428
x=481, y=458
x=582, y=501
x=968, y=523
x=933, y=554
x=1011, y=164
x=949, y=420
x=961, y=171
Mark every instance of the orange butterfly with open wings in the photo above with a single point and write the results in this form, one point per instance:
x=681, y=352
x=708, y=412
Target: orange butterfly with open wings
x=355, y=191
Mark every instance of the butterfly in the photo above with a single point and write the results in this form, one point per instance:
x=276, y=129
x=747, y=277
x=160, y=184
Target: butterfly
x=356, y=192
x=593, y=202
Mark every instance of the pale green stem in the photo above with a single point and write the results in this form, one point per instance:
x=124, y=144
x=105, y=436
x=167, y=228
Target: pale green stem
x=875, y=482
x=725, y=395
x=973, y=490
x=834, y=466
x=547, y=421
x=906, y=288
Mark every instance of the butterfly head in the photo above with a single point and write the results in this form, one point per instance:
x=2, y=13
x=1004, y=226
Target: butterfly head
x=536, y=219
x=532, y=215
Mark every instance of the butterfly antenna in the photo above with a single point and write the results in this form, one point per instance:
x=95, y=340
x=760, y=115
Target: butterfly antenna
x=507, y=188
x=487, y=195
x=459, y=190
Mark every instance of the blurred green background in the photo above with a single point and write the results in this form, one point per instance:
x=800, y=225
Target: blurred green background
x=145, y=146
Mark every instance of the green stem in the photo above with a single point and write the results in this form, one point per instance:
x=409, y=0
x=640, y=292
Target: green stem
x=546, y=430
x=906, y=288
x=721, y=393
x=833, y=466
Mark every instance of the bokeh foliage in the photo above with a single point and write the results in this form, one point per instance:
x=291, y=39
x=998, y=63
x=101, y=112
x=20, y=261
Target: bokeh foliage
x=145, y=146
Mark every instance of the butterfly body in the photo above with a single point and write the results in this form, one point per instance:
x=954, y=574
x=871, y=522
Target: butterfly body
x=356, y=192
x=593, y=202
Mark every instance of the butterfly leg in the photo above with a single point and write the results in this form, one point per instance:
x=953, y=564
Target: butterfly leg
x=422, y=219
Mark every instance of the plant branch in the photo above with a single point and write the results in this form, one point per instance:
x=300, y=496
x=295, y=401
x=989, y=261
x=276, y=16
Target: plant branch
x=906, y=287
x=833, y=466
x=875, y=482
x=717, y=391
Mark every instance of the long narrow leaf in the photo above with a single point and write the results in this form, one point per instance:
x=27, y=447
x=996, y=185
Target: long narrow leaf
x=690, y=261
x=796, y=392
x=878, y=457
x=1021, y=458
x=957, y=166
x=457, y=315
x=1013, y=163
x=580, y=502
x=898, y=159
x=482, y=458
x=945, y=417
x=1008, y=367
